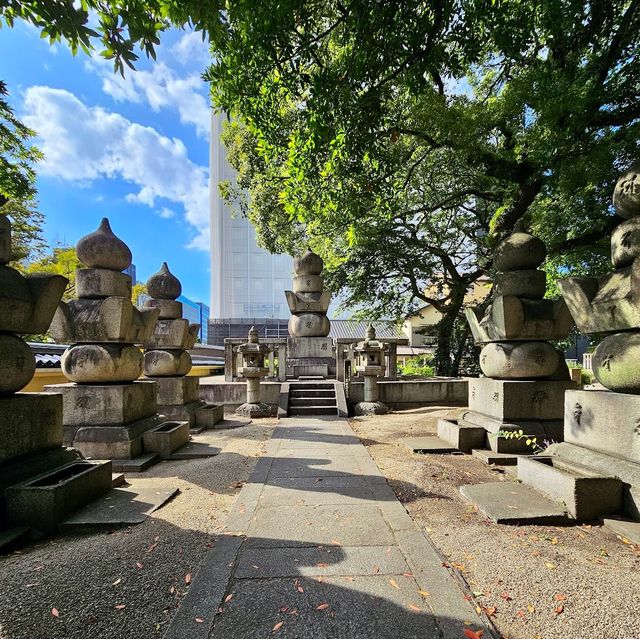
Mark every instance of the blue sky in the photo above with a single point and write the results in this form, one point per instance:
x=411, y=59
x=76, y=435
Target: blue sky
x=133, y=150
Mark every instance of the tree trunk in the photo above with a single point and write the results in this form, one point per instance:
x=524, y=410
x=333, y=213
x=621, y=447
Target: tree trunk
x=445, y=362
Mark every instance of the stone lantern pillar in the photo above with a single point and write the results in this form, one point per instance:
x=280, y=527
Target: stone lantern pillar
x=253, y=354
x=370, y=354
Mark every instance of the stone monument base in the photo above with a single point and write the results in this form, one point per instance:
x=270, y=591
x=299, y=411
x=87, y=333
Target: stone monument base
x=255, y=410
x=370, y=408
x=200, y=415
x=310, y=357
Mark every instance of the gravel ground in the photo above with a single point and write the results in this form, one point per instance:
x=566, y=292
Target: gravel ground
x=128, y=582
x=535, y=582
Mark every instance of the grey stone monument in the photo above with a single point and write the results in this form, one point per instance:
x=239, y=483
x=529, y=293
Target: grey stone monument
x=167, y=361
x=106, y=410
x=525, y=376
x=370, y=364
x=309, y=349
x=253, y=354
x=41, y=482
x=602, y=427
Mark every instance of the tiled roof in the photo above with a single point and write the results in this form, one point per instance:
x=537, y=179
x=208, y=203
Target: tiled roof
x=353, y=329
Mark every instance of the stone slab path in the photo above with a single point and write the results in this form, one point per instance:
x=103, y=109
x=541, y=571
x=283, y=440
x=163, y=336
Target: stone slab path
x=318, y=546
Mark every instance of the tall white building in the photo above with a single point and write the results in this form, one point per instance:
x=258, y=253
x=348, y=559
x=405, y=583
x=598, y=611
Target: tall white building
x=247, y=282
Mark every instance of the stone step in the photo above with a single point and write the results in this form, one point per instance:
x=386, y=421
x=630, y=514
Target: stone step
x=311, y=386
x=587, y=494
x=137, y=464
x=311, y=392
x=312, y=401
x=314, y=410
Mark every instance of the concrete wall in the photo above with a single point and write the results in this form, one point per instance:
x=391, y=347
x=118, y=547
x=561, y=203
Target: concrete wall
x=401, y=394
x=233, y=394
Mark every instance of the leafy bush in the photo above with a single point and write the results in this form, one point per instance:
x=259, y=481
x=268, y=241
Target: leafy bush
x=418, y=367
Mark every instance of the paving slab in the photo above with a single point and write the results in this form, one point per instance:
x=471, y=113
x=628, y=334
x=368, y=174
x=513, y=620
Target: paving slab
x=195, y=450
x=126, y=505
x=511, y=503
x=429, y=444
x=136, y=465
x=259, y=563
x=625, y=528
x=316, y=490
x=303, y=466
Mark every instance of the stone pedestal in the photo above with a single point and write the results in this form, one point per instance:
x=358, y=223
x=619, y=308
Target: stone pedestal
x=310, y=357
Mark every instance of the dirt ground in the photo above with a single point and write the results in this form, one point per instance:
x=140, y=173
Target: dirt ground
x=128, y=582
x=533, y=582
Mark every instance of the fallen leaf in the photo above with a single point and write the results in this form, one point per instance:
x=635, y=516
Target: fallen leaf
x=506, y=596
x=521, y=614
x=31, y=585
x=549, y=565
x=407, y=574
x=152, y=547
x=394, y=583
x=172, y=589
x=116, y=582
x=559, y=609
x=138, y=565
x=490, y=611
x=322, y=564
x=335, y=542
x=228, y=598
x=554, y=541
x=300, y=589
x=477, y=593
x=199, y=620
x=277, y=626
x=560, y=597
x=120, y=606
x=322, y=606
x=473, y=634
x=55, y=613
x=414, y=608
x=187, y=578
x=531, y=608
x=423, y=593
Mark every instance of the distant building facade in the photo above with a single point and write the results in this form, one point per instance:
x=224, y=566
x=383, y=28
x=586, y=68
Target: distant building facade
x=196, y=313
x=247, y=282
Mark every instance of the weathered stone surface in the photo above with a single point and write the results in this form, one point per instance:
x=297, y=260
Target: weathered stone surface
x=625, y=243
x=309, y=347
x=29, y=422
x=113, y=319
x=166, y=363
x=461, y=437
x=163, y=285
x=17, y=364
x=5, y=240
x=27, y=303
x=100, y=363
x=604, y=421
x=370, y=408
x=625, y=528
x=308, y=284
x=430, y=444
x=512, y=318
x=166, y=438
x=519, y=251
x=44, y=501
x=528, y=283
x=176, y=390
x=519, y=360
x=102, y=282
x=106, y=404
x=169, y=309
x=507, y=400
x=208, y=416
x=626, y=196
x=255, y=410
x=586, y=494
x=173, y=334
x=309, y=325
x=102, y=249
x=615, y=362
x=308, y=302
x=308, y=264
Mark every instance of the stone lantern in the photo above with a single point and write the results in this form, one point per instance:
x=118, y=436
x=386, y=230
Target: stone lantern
x=370, y=363
x=253, y=355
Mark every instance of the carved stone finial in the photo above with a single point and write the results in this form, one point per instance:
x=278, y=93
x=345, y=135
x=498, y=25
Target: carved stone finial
x=164, y=285
x=371, y=333
x=308, y=264
x=519, y=251
x=102, y=249
x=253, y=335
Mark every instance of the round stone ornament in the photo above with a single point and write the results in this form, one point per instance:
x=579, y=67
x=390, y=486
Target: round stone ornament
x=164, y=285
x=102, y=249
x=166, y=363
x=519, y=360
x=519, y=251
x=102, y=363
x=626, y=195
x=17, y=364
x=625, y=242
x=615, y=362
x=308, y=264
x=309, y=325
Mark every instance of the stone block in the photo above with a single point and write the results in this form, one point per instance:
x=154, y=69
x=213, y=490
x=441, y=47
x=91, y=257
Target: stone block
x=113, y=319
x=169, y=309
x=44, y=501
x=527, y=283
x=176, y=390
x=586, y=494
x=111, y=442
x=106, y=404
x=173, y=334
x=604, y=421
x=95, y=283
x=166, y=438
x=306, y=347
x=308, y=302
x=519, y=360
x=29, y=422
x=209, y=415
x=464, y=438
x=166, y=363
x=428, y=444
x=495, y=459
x=508, y=400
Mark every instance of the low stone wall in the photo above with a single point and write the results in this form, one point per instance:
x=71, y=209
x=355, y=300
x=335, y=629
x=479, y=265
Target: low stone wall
x=233, y=394
x=447, y=391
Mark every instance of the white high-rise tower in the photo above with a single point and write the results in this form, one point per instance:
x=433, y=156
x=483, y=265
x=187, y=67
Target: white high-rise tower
x=247, y=282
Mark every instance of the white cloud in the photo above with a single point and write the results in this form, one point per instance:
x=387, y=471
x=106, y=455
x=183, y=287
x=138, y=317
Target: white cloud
x=83, y=143
x=191, y=50
x=166, y=213
x=160, y=88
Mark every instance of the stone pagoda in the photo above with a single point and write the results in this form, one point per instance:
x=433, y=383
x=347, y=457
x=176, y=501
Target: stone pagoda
x=525, y=376
x=370, y=364
x=310, y=350
x=167, y=361
x=253, y=354
x=41, y=482
x=106, y=410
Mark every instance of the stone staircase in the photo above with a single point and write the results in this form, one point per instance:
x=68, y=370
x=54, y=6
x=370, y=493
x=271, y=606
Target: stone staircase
x=312, y=398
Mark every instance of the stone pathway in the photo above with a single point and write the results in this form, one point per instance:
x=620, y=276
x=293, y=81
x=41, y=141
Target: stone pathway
x=317, y=545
